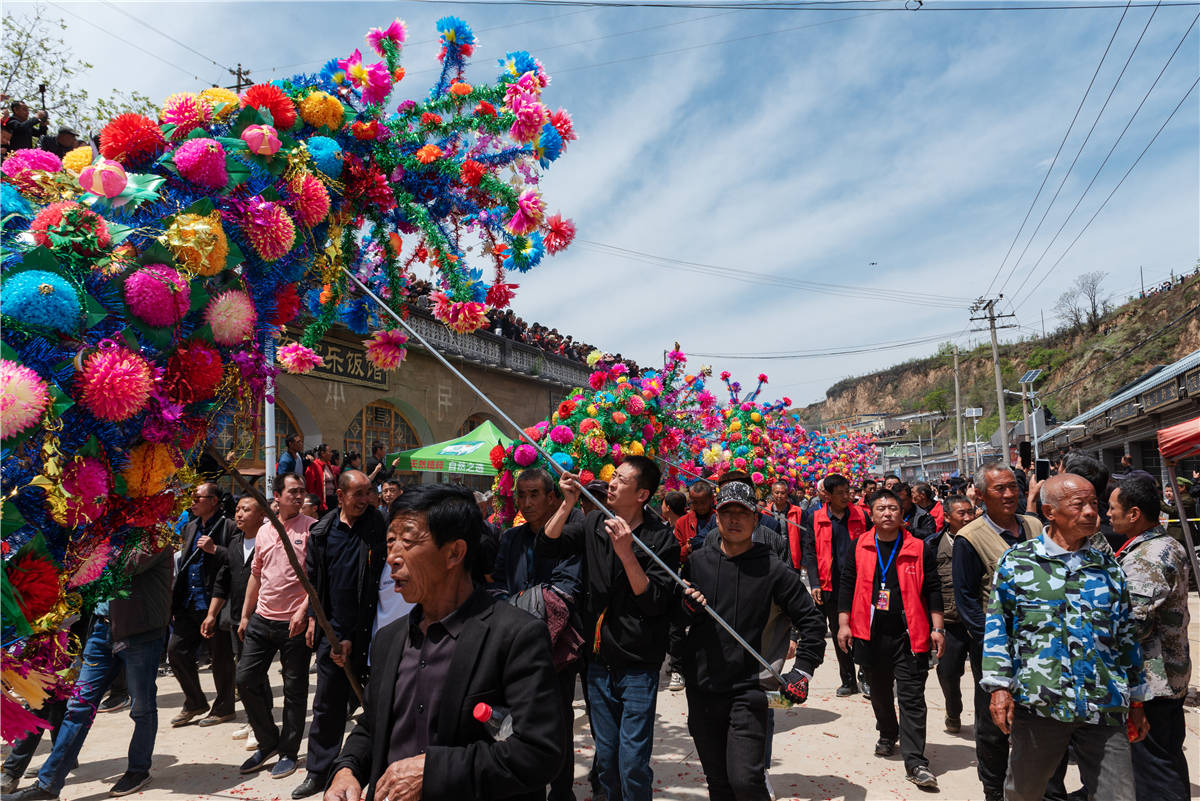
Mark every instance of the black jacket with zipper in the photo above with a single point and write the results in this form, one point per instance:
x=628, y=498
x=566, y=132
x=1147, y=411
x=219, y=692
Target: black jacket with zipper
x=748, y=591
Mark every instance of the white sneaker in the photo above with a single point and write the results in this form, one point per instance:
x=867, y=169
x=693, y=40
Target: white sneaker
x=251, y=741
x=770, y=789
x=242, y=732
x=676, y=684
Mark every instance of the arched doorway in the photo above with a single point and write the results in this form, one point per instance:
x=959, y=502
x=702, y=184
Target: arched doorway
x=474, y=421
x=244, y=447
x=382, y=422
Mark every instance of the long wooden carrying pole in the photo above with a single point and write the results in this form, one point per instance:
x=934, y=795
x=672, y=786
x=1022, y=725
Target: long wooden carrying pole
x=314, y=603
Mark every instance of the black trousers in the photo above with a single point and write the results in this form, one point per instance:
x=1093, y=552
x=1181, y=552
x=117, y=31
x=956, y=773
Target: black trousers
x=333, y=703
x=264, y=638
x=952, y=665
x=845, y=661
x=1160, y=769
x=730, y=732
x=23, y=750
x=888, y=658
x=561, y=784
x=181, y=654
x=991, y=744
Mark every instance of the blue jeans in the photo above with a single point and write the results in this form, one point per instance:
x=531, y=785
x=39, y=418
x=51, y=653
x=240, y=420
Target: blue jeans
x=140, y=657
x=622, y=709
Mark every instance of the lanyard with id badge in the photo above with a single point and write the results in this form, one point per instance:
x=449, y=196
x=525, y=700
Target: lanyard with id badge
x=883, y=597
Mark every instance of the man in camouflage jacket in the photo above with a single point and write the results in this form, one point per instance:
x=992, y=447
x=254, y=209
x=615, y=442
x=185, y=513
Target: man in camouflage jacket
x=1060, y=654
x=1156, y=569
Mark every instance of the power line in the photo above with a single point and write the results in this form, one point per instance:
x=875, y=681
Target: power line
x=1054, y=161
x=145, y=24
x=135, y=46
x=1053, y=239
x=800, y=354
x=1088, y=224
x=1079, y=153
x=750, y=276
x=910, y=6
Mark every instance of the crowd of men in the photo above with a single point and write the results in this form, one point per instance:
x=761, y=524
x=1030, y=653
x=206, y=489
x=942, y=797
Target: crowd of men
x=22, y=129
x=464, y=646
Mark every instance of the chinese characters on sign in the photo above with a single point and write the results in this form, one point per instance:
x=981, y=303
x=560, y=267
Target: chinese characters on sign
x=348, y=363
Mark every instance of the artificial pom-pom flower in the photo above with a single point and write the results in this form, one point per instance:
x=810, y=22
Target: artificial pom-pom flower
x=429, y=118
x=193, y=372
x=762, y=378
x=635, y=405
x=428, y=154
x=365, y=131
x=500, y=294
x=70, y=219
x=22, y=164
x=223, y=102
x=606, y=473
x=524, y=455
x=484, y=109
x=322, y=110
x=471, y=172
x=594, y=358
x=530, y=208
x=557, y=233
x=393, y=35
x=16, y=721
x=150, y=465
x=326, y=154
x=76, y=160
x=231, y=316
x=115, y=384
x=549, y=146
x=366, y=185
x=562, y=435
x=199, y=242
x=105, y=178
x=385, y=349
x=131, y=139
x=41, y=299
x=287, y=305
x=24, y=396
x=462, y=317
x=309, y=199
x=157, y=295
x=562, y=123
x=496, y=455
x=91, y=565
x=34, y=580
x=529, y=117
x=597, y=379
x=271, y=98
x=455, y=32
x=374, y=81
x=262, y=140
x=298, y=359
x=566, y=409
x=86, y=486
x=202, y=161
x=187, y=112
x=270, y=230
x=460, y=89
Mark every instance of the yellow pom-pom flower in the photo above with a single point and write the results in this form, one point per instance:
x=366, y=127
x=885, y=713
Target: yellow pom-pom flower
x=224, y=102
x=322, y=109
x=77, y=160
x=635, y=448
x=594, y=357
x=150, y=465
x=606, y=472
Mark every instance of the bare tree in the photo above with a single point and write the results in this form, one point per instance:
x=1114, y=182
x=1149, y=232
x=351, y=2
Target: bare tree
x=1095, y=302
x=1068, y=309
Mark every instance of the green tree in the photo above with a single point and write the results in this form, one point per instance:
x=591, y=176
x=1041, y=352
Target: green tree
x=34, y=54
x=937, y=400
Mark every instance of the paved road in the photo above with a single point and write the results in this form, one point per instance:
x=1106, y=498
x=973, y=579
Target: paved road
x=822, y=751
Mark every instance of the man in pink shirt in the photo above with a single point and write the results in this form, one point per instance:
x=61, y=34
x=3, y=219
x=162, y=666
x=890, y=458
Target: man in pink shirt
x=274, y=619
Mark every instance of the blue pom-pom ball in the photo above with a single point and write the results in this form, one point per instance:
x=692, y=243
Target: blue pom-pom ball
x=41, y=299
x=564, y=460
x=325, y=153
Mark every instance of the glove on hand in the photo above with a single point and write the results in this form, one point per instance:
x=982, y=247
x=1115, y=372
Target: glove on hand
x=795, y=687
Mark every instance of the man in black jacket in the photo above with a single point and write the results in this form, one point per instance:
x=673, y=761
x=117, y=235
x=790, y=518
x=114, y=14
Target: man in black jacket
x=346, y=551
x=205, y=539
x=431, y=669
x=727, y=708
x=627, y=603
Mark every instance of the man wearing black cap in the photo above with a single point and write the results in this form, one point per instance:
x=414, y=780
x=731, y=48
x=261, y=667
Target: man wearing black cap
x=63, y=143
x=727, y=707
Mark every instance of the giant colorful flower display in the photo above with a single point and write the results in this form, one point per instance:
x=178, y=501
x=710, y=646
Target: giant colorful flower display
x=141, y=289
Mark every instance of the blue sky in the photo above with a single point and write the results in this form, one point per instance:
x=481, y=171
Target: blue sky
x=810, y=146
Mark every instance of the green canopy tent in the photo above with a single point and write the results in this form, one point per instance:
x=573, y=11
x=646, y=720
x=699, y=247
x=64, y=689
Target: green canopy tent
x=466, y=455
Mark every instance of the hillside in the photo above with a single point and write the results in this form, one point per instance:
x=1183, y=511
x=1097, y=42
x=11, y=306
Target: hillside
x=1081, y=368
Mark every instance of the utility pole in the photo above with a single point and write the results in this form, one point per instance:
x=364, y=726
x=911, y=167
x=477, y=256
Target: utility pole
x=241, y=77
x=958, y=423
x=1142, y=280
x=1043, y=323
x=988, y=307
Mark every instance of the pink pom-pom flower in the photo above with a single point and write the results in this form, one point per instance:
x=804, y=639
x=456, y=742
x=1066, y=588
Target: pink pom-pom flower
x=309, y=198
x=186, y=111
x=557, y=233
x=86, y=485
x=394, y=34
x=524, y=455
x=115, y=384
x=105, y=178
x=24, y=396
x=530, y=208
x=635, y=405
x=22, y=164
x=386, y=349
x=202, y=161
x=298, y=359
x=231, y=316
x=561, y=435
x=269, y=229
x=157, y=295
x=263, y=140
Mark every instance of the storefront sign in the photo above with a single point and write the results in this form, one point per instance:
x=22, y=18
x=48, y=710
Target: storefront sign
x=348, y=363
x=1192, y=382
x=1160, y=395
x=1124, y=411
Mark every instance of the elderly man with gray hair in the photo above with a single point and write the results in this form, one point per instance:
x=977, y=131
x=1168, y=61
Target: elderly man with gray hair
x=1060, y=655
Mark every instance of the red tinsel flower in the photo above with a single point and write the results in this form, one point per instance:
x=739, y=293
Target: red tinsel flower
x=422, y=253
x=762, y=377
x=557, y=233
x=287, y=304
x=429, y=118
x=366, y=185
x=193, y=372
x=270, y=97
x=34, y=580
x=365, y=131
x=561, y=121
x=131, y=139
x=471, y=172
x=66, y=219
x=586, y=477
x=499, y=295
x=485, y=109
x=566, y=408
x=496, y=454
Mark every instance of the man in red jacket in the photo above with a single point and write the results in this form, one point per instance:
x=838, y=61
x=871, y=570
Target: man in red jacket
x=693, y=527
x=790, y=518
x=890, y=613
x=828, y=547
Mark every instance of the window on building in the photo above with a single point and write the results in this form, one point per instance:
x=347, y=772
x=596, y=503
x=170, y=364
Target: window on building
x=473, y=422
x=383, y=422
x=245, y=444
